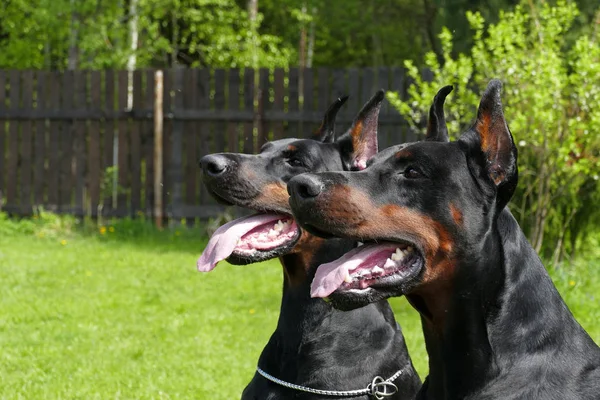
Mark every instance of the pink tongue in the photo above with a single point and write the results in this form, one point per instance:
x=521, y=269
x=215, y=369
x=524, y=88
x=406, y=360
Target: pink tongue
x=223, y=241
x=329, y=277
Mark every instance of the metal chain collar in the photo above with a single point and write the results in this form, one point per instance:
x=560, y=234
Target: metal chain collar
x=378, y=388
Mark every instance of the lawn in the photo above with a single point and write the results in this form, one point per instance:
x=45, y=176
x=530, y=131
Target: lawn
x=122, y=313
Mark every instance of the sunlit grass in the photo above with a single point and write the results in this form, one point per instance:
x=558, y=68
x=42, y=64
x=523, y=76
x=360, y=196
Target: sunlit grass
x=120, y=312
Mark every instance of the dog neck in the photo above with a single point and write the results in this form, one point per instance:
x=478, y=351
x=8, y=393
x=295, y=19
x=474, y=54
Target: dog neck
x=499, y=314
x=313, y=341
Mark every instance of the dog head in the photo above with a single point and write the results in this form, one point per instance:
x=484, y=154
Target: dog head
x=259, y=182
x=418, y=207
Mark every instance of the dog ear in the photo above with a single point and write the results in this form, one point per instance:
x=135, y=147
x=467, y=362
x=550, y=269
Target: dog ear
x=326, y=132
x=359, y=144
x=436, y=125
x=496, y=143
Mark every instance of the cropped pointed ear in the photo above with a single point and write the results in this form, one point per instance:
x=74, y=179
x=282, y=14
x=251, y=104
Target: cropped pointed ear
x=437, y=131
x=326, y=132
x=496, y=144
x=359, y=144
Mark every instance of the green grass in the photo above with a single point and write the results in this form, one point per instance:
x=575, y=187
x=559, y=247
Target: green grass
x=125, y=315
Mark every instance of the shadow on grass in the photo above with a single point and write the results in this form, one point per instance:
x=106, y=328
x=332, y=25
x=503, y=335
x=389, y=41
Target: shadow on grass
x=138, y=232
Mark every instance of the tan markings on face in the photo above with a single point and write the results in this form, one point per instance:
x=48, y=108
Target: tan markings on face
x=404, y=153
x=292, y=148
x=273, y=195
x=457, y=215
x=353, y=211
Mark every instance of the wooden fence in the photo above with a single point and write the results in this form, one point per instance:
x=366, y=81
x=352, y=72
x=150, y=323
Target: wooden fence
x=61, y=132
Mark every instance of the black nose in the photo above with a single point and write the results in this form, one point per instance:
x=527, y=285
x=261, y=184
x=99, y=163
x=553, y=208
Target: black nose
x=305, y=186
x=215, y=164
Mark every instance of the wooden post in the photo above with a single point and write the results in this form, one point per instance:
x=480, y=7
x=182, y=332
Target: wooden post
x=158, y=148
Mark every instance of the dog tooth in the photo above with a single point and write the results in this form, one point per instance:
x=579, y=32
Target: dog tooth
x=262, y=236
x=347, y=278
x=377, y=270
x=360, y=244
x=389, y=263
x=409, y=249
x=272, y=233
x=399, y=255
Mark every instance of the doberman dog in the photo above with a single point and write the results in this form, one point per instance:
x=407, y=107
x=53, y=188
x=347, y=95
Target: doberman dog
x=437, y=230
x=314, y=346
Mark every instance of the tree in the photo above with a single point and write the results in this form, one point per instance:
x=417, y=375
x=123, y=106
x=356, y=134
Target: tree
x=551, y=95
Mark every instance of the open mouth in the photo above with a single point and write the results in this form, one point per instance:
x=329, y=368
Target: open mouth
x=250, y=239
x=376, y=265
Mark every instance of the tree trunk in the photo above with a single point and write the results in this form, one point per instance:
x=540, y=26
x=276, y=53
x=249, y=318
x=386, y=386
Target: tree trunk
x=302, y=44
x=72, y=62
x=133, y=45
x=311, y=39
x=253, y=13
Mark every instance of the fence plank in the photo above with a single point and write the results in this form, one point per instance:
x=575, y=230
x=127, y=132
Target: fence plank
x=2, y=137
x=219, y=127
x=399, y=131
x=94, y=151
x=167, y=136
x=249, y=146
x=338, y=84
x=278, y=89
x=263, y=105
x=233, y=104
x=203, y=103
x=54, y=140
x=109, y=155
x=176, y=165
x=13, y=143
x=136, y=152
x=294, y=128
x=123, y=152
x=79, y=139
x=308, y=104
x=66, y=144
x=189, y=138
x=148, y=144
x=39, y=149
x=323, y=74
x=354, y=102
x=384, y=129
x=26, y=161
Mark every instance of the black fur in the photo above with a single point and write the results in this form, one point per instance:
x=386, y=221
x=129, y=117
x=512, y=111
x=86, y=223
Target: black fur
x=314, y=345
x=495, y=326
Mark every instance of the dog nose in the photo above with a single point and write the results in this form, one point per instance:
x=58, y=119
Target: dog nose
x=305, y=186
x=214, y=164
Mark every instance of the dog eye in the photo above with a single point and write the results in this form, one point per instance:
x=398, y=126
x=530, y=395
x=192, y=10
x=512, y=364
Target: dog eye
x=412, y=173
x=294, y=162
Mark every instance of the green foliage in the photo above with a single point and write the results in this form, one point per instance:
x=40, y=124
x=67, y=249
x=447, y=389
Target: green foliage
x=551, y=98
x=217, y=33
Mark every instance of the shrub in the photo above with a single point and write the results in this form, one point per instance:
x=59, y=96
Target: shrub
x=552, y=104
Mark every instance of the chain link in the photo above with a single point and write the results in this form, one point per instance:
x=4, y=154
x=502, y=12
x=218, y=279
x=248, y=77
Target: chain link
x=378, y=388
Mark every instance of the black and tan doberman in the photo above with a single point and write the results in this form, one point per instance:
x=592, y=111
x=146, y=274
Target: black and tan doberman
x=437, y=230
x=314, y=346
